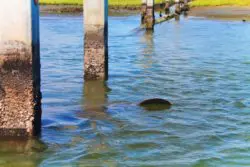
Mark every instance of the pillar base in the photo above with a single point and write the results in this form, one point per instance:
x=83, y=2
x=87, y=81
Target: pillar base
x=96, y=52
x=20, y=96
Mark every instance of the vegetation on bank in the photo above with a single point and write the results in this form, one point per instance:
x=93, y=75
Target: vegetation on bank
x=220, y=3
x=80, y=2
x=138, y=2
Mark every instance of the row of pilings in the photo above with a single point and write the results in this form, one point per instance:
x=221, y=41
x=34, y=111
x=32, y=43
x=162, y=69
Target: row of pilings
x=20, y=75
x=148, y=11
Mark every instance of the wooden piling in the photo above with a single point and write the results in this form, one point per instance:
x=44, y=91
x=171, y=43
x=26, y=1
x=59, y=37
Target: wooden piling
x=185, y=6
x=177, y=7
x=150, y=16
x=167, y=7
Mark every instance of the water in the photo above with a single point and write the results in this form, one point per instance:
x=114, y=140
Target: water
x=201, y=66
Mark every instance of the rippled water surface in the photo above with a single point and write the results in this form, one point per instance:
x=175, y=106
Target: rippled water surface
x=201, y=66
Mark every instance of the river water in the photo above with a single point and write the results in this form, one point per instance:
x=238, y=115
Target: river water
x=201, y=66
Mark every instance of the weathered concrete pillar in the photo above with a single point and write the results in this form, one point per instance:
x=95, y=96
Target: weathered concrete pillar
x=96, y=39
x=150, y=16
x=167, y=7
x=20, y=96
x=143, y=11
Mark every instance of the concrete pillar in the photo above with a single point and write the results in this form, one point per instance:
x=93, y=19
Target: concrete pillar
x=96, y=39
x=20, y=96
x=143, y=11
x=150, y=16
x=167, y=7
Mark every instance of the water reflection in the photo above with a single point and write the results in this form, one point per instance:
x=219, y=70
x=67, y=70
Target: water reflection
x=21, y=152
x=147, y=38
x=177, y=17
x=148, y=50
x=94, y=99
x=95, y=110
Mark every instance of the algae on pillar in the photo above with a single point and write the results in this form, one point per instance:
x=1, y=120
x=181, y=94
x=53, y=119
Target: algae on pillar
x=20, y=96
x=150, y=16
x=96, y=39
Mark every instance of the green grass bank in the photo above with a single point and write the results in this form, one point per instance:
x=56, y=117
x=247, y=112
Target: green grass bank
x=197, y=3
x=80, y=2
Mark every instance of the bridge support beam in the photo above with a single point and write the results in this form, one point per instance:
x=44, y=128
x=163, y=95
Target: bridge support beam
x=20, y=96
x=96, y=39
x=150, y=16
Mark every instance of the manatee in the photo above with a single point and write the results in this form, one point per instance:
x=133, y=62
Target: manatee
x=155, y=104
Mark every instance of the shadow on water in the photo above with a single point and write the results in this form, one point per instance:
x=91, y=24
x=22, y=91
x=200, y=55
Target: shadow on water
x=21, y=152
x=94, y=108
x=148, y=50
x=147, y=38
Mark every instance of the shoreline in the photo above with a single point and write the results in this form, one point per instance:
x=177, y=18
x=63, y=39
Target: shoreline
x=222, y=12
x=78, y=9
x=211, y=12
x=60, y=9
